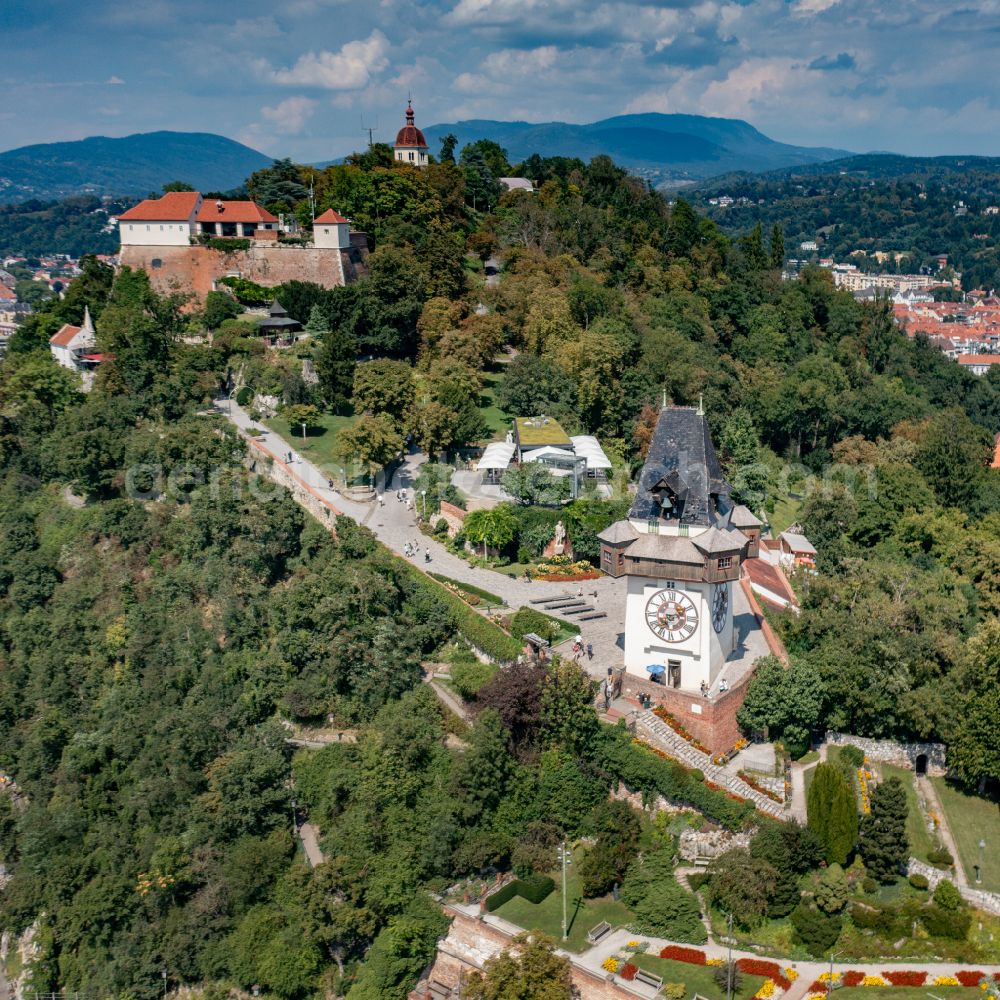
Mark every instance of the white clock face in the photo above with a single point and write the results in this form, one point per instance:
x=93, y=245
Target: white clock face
x=720, y=607
x=671, y=616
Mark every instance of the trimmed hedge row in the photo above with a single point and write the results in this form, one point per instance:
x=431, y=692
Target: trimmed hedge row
x=469, y=589
x=643, y=771
x=479, y=632
x=534, y=889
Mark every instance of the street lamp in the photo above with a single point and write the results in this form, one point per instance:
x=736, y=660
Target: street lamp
x=295, y=822
x=163, y=973
x=729, y=960
x=565, y=861
x=829, y=985
x=979, y=870
x=423, y=500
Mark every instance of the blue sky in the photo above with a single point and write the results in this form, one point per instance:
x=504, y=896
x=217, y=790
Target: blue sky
x=297, y=77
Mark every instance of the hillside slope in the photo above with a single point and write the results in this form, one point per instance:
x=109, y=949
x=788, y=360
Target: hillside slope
x=134, y=164
x=663, y=147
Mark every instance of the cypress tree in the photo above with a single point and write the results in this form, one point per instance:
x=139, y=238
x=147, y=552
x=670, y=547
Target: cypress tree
x=883, y=844
x=335, y=362
x=833, y=813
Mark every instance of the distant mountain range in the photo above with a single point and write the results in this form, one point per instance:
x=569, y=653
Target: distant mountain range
x=133, y=165
x=664, y=148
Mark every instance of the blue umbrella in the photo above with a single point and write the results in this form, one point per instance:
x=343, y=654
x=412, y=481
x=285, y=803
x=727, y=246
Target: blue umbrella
x=656, y=668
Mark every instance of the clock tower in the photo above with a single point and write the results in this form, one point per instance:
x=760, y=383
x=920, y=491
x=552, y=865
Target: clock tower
x=681, y=555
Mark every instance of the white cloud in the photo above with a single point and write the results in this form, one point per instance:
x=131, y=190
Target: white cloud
x=114, y=81
x=814, y=6
x=290, y=115
x=349, y=68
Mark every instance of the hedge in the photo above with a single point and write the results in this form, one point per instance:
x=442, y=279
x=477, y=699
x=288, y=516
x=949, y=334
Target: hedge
x=643, y=771
x=469, y=588
x=479, y=632
x=227, y=244
x=527, y=620
x=534, y=889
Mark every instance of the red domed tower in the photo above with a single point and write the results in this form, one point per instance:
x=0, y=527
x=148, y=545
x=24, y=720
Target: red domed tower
x=411, y=146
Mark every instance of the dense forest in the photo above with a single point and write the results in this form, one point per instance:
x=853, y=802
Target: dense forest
x=153, y=639
x=74, y=227
x=918, y=208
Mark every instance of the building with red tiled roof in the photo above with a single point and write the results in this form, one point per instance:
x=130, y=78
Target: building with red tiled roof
x=235, y=218
x=73, y=347
x=168, y=221
x=332, y=230
x=411, y=146
x=978, y=364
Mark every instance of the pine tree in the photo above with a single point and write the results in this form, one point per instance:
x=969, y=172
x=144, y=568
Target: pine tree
x=832, y=812
x=335, y=362
x=883, y=844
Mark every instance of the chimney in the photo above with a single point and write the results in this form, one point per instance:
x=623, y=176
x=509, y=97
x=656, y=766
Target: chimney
x=219, y=206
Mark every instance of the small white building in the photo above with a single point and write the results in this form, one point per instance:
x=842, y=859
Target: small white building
x=978, y=364
x=411, y=146
x=161, y=222
x=332, y=231
x=795, y=550
x=75, y=348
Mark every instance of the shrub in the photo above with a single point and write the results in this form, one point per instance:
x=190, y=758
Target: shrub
x=945, y=923
x=947, y=896
x=227, y=244
x=674, y=991
x=528, y=620
x=441, y=527
x=469, y=677
x=533, y=888
x=870, y=886
x=697, y=774
x=244, y=396
x=918, y=881
x=940, y=857
x=817, y=931
x=697, y=880
x=852, y=755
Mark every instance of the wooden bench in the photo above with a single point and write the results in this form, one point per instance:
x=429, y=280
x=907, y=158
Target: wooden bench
x=649, y=979
x=702, y=862
x=596, y=933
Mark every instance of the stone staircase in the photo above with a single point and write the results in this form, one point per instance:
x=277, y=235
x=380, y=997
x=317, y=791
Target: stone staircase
x=660, y=735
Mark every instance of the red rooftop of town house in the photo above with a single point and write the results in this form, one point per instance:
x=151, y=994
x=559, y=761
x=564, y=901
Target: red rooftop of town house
x=64, y=336
x=331, y=216
x=978, y=359
x=6, y=294
x=175, y=206
x=234, y=211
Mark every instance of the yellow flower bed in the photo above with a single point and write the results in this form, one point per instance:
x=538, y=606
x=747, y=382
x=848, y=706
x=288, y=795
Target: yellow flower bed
x=824, y=977
x=946, y=981
x=791, y=975
x=766, y=990
x=633, y=944
x=610, y=964
x=873, y=981
x=713, y=961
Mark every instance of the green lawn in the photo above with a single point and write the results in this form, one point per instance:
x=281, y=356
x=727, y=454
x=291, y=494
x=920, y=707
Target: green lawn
x=697, y=978
x=582, y=914
x=973, y=819
x=318, y=446
x=917, y=833
x=786, y=513
x=498, y=421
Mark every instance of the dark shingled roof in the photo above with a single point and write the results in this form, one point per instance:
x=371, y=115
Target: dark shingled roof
x=681, y=456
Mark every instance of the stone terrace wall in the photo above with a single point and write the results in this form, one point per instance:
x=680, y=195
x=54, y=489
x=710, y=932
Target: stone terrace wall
x=259, y=460
x=195, y=269
x=980, y=898
x=471, y=942
x=891, y=752
x=453, y=516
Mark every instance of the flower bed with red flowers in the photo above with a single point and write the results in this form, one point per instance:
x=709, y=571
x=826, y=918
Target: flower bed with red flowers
x=969, y=977
x=768, y=970
x=628, y=971
x=748, y=779
x=676, y=953
x=906, y=977
x=853, y=978
x=816, y=987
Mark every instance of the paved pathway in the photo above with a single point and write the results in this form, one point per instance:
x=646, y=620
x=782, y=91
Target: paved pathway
x=395, y=525
x=309, y=835
x=926, y=788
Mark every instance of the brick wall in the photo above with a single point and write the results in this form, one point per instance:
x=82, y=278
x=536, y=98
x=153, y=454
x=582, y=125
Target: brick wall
x=712, y=721
x=453, y=516
x=195, y=269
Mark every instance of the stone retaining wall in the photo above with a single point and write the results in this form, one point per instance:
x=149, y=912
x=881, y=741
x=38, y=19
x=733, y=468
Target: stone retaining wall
x=260, y=461
x=980, y=898
x=891, y=752
x=453, y=516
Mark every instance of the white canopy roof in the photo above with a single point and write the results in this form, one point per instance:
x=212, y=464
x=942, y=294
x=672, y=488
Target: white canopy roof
x=549, y=451
x=497, y=455
x=587, y=447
